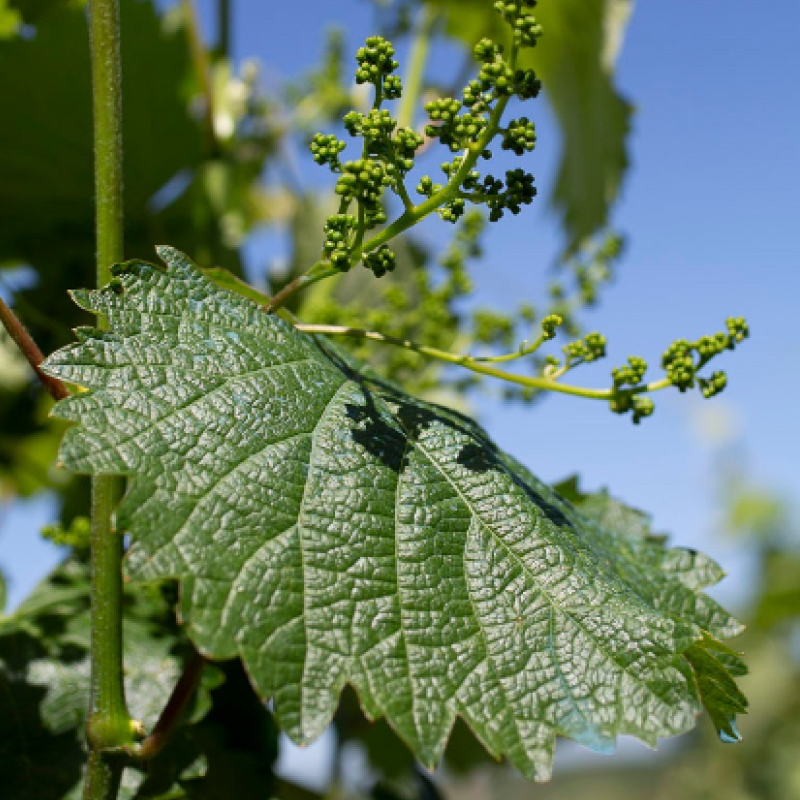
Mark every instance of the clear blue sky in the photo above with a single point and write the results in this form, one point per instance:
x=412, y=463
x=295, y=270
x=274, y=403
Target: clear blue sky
x=710, y=207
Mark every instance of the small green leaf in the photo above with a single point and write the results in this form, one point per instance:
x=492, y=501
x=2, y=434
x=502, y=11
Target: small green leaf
x=330, y=529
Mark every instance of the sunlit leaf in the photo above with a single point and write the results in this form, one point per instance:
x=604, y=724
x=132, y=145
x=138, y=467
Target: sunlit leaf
x=329, y=529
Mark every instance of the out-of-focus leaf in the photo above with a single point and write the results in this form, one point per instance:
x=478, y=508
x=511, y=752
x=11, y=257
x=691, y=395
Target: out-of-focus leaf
x=381, y=541
x=47, y=192
x=29, y=445
x=574, y=59
x=46, y=157
x=44, y=683
x=47, y=185
x=10, y=20
x=759, y=514
x=780, y=595
x=28, y=439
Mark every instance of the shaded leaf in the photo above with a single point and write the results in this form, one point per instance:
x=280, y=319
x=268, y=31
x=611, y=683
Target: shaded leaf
x=47, y=186
x=46, y=157
x=44, y=684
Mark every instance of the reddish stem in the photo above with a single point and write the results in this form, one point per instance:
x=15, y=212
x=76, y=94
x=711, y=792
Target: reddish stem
x=30, y=350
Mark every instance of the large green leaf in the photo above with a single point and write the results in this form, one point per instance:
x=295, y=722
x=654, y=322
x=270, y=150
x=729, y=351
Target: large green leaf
x=329, y=530
x=575, y=59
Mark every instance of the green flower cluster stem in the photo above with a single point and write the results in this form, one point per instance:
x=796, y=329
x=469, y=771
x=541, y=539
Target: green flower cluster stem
x=408, y=219
x=628, y=393
x=480, y=365
x=413, y=214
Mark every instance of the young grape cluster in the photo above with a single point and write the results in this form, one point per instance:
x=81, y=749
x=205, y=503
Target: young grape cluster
x=466, y=126
x=682, y=362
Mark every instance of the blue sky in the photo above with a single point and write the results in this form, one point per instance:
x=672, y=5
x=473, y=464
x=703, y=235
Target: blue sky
x=710, y=208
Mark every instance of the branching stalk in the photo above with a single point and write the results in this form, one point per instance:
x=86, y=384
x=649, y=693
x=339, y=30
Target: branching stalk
x=411, y=216
x=480, y=365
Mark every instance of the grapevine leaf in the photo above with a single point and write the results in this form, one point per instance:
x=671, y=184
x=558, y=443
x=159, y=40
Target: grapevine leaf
x=330, y=529
x=715, y=665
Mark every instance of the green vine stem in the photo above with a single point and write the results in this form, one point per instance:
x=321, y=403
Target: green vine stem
x=109, y=726
x=479, y=365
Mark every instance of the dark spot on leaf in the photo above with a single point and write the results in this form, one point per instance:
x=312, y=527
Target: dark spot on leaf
x=376, y=435
x=477, y=459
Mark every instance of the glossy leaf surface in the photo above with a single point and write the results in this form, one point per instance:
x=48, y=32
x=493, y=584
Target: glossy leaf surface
x=330, y=529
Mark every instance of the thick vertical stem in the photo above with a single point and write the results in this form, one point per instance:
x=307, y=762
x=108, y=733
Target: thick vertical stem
x=108, y=724
x=104, y=29
x=103, y=775
x=224, y=27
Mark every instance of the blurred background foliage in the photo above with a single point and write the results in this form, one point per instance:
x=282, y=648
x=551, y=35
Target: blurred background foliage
x=209, y=163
